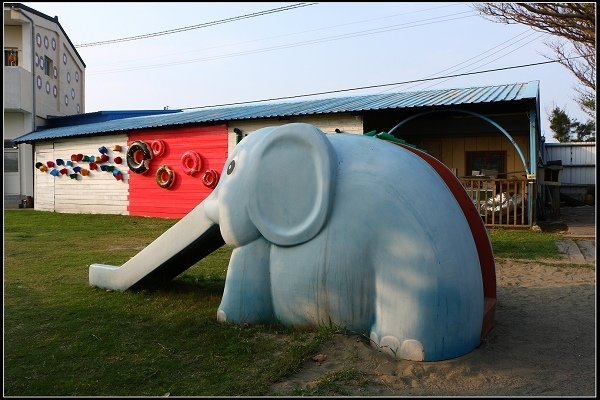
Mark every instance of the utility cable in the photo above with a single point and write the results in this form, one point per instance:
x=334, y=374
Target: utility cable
x=474, y=66
x=381, y=85
x=203, y=25
x=454, y=69
x=491, y=61
x=412, y=24
x=329, y=27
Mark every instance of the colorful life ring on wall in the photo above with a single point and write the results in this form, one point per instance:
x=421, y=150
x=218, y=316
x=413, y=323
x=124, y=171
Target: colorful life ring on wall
x=191, y=162
x=158, y=147
x=138, y=157
x=165, y=177
x=210, y=178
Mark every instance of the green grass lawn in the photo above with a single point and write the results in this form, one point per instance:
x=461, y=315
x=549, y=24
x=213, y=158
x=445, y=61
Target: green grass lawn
x=524, y=244
x=65, y=338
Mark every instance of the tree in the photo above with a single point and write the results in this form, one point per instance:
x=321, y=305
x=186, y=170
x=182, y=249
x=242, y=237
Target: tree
x=561, y=125
x=566, y=129
x=573, y=22
x=586, y=132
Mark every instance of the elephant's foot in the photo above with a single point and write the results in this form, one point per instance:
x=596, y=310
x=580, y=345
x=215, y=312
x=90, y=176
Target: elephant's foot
x=408, y=349
x=236, y=317
x=221, y=316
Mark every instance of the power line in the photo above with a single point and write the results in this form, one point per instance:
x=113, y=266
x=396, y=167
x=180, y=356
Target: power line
x=328, y=27
x=474, y=66
x=381, y=85
x=495, y=59
x=203, y=25
x=406, y=25
x=454, y=68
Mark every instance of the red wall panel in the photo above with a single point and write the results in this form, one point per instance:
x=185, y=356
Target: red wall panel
x=147, y=198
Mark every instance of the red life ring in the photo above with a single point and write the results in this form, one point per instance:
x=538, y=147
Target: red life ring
x=165, y=177
x=191, y=162
x=138, y=157
x=158, y=147
x=210, y=178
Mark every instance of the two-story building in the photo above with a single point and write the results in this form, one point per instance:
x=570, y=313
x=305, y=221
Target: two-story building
x=44, y=76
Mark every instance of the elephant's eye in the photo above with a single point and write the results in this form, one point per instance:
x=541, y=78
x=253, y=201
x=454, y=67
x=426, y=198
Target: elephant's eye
x=231, y=167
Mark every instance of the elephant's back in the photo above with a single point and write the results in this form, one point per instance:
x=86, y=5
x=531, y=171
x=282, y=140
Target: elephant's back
x=376, y=172
x=401, y=195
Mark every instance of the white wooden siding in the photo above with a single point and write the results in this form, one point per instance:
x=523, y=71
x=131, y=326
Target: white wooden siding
x=97, y=193
x=327, y=123
x=43, y=192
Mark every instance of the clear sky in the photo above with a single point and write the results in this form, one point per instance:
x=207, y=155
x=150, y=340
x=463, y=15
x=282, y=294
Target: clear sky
x=314, y=48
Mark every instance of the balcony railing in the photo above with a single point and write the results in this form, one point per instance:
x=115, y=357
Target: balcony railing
x=500, y=202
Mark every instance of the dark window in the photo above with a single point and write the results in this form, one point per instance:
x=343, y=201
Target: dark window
x=480, y=161
x=11, y=57
x=47, y=65
x=11, y=157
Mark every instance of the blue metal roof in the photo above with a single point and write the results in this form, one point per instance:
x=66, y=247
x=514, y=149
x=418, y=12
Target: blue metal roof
x=98, y=116
x=440, y=97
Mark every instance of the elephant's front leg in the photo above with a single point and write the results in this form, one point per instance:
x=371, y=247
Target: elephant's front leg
x=247, y=294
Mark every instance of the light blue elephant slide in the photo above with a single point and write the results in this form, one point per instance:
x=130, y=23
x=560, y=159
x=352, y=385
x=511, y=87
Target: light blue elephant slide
x=339, y=229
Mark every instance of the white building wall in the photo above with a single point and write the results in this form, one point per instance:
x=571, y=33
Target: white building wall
x=327, y=123
x=61, y=92
x=97, y=193
x=57, y=91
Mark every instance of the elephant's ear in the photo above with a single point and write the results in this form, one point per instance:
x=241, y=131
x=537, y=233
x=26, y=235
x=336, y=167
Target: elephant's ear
x=292, y=183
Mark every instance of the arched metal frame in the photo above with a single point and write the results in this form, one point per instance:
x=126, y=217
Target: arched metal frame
x=531, y=170
x=501, y=129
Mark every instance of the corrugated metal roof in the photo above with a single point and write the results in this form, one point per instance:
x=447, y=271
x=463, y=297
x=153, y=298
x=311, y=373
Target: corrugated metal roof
x=441, y=97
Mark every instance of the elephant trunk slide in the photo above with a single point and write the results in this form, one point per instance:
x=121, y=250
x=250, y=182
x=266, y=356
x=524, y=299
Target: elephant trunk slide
x=181, y=246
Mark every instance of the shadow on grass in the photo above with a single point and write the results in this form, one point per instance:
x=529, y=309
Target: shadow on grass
x=184, y=285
